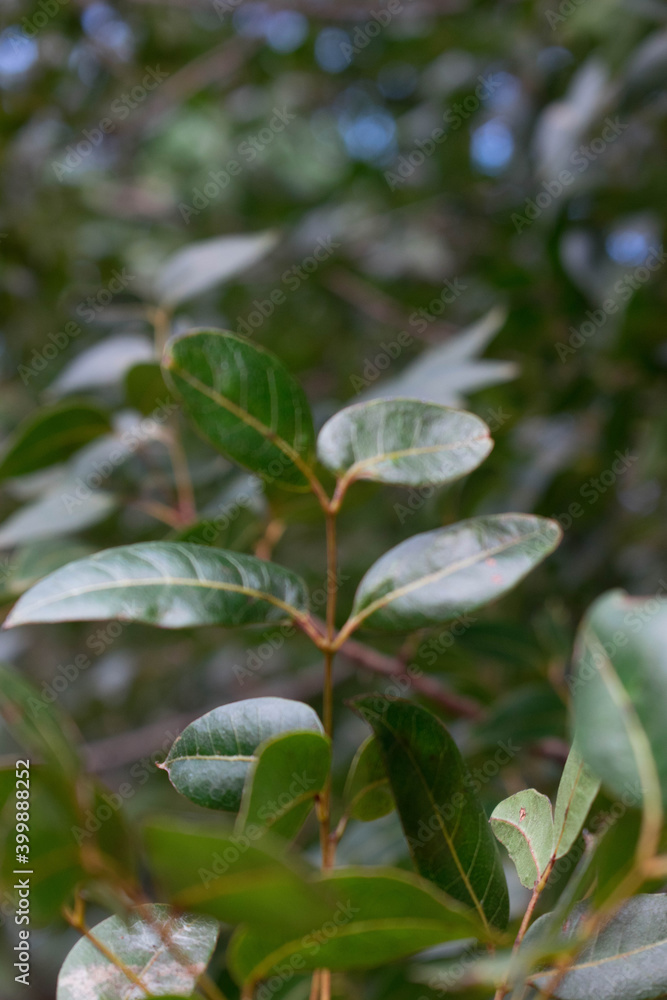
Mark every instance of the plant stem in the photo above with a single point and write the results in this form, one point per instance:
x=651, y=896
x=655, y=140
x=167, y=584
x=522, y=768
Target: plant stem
x=538, y=889
x=77, y=921
x=187, y=506
x=161, y=320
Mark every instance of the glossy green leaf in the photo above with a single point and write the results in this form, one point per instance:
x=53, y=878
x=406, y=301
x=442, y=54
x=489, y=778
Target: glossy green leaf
x=211, y=759
x=201, y=265
x=619, y=692
x=51, y=436
x=367, y=789
x=234, y=878
x=441, y=574
x=445, y=825
x=576, y=792
x=524, y=825
x=245, y=402
x=626, y=960
x=169, y=584
x=378, y=916
x=142, y=943
x=40, y=727
x=289, y=771
x=403, y=441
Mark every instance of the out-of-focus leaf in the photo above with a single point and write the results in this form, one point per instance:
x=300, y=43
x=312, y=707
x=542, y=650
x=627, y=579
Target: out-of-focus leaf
x=626, y=960
x=103, y=364
x=211, y=759
x=447, y=373
x=199, y=266
x=445, y=825
x=233, y=878
x=61, y=511
x=439, y=575
x=524, y=825
x=145, y=388
x=169, y=584
x=243, y=399
x=381, y=915
x=290, y=770
x=403, y=441
x=367, y=789
x=576, y=792
x=142, y=943
x=619, y=691
x=30, y=563
x=51, y=436
x=39, y=727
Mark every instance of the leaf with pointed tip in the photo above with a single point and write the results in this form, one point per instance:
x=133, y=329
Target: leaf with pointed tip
x=441, y=574
x=169, y=584
x=211, y=759
x=626, y=960
x=379, y=915
x=233, y=877
x=51, y=436
x=524, y=825
x=289, y=771
x=245, y=402
x=403, y=441
x=445, y=825
x=367, y=789
x=576, y=792
x=619, y=690
x=141, y=943
x=201, y=265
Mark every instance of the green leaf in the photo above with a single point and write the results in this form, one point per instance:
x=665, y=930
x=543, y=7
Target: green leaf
x=51, y=436
x=626, y=960
x=441, y=574
x=524, y=825
x=142, y=944
x=367, y=790
x=42, y=729
x=58, y=512
x=211, y=759
x=619, y=691
x=403, y=441
x=289, y=771
x=379, y=915
x=169, y=584
x=201, y=265
x=576, y=793
x=446, y=828
x=245, y=402
x=233, y=878
x=145, y=388
x=33, y=561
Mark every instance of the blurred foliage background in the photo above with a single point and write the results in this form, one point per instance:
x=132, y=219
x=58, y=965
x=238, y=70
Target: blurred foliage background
x=466, y=202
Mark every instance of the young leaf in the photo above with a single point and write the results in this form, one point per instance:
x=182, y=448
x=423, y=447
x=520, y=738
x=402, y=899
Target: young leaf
x=403, y=441
x=445, y=825
x=141, y=944
x=379, y=915
x=524, y=825
x=367, y=790
x=234, y=879
x=201, y=265
x=576, y=792
x=245, y=402
x=51, y=436
x=211, y=759
x=441, y=574
x=289, y=771
x=619, y=691
x=626, y=960
x=169, y=584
